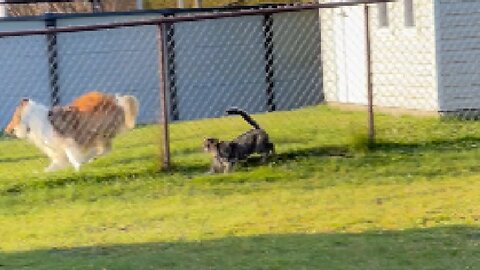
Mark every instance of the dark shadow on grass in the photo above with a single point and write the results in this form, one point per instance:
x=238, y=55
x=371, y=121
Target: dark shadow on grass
x=135, y=145
x=55, y=181
x=328, y=151
x=130, y=159
x=18, y=159
x=463, y=143
x=198, y=168
x=453, y=247
x=255, y=160
x=347, y=151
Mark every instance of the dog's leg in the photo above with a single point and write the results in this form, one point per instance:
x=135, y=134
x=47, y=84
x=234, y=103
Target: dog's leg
x=71, y=155
x=56, y=165
x=58, y=160
x=103, y=147
x=90, y=155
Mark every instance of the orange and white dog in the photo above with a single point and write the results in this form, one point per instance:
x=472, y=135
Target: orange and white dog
x=76, y=133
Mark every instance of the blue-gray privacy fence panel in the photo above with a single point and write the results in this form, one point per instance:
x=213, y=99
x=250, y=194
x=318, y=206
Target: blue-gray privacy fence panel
x=23, y=72
x=217, y=63
x=296, y=59
x=122, y=60
x=23, y=67
x=221, y=63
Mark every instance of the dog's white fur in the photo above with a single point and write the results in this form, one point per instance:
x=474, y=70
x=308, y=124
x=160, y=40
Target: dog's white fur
x=35, y=126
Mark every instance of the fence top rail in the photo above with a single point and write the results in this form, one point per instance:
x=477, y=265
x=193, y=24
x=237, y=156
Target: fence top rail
x=147, y=12
x=189, y=18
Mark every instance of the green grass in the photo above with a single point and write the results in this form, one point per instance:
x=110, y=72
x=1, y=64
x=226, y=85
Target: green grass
x=327, y=201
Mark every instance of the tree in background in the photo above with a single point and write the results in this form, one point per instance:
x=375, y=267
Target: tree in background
x=75, y=6
x=78, y=6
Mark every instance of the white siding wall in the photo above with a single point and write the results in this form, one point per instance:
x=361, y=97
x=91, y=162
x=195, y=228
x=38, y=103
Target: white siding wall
x=23, y=68
x=344, y=54
x=459, y=54
x=403, y=59
x=404, y=64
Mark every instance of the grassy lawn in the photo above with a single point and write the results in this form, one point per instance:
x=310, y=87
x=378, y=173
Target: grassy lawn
x=325, y=202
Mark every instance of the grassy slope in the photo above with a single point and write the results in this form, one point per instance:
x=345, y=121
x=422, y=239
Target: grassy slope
x=324, y=202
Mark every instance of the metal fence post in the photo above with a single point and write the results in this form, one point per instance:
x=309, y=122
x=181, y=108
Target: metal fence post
x=165, y=140
x=268, y=44
x=171, y=70
x=52, y=49
x=371, y=120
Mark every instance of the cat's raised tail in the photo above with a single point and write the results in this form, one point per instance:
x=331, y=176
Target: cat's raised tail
x=244, y=115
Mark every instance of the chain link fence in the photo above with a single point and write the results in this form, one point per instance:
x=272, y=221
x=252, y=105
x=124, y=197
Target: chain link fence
x=304, y=73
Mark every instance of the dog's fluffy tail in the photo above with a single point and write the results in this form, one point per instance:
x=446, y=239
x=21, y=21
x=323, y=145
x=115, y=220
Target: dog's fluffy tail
x=245, y=116
x=130, y=106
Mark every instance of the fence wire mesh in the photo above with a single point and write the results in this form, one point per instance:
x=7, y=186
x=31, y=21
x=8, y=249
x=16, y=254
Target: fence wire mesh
x=116, y=62
x=304, y=76
x=90, y=116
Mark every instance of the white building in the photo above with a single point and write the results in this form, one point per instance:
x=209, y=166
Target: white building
x=425, y=54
